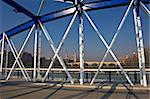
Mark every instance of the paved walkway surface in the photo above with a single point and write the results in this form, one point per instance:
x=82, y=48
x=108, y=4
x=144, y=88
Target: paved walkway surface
x=28, y=90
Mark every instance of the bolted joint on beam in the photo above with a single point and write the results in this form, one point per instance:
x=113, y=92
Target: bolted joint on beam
x=79, y=7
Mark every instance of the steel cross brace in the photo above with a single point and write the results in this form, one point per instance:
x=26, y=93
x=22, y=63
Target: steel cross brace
x=19, y=59
x=56, y=51
x=18, y=55
x=27, y=38
x=111, y=52
x=109, y=47
x=55, y=55
x=14, y=54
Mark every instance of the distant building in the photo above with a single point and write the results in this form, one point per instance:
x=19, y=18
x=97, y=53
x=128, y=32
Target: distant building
x=74, y=57
x=94, y=63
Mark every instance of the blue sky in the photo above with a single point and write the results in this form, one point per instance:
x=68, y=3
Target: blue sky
x=107, y=21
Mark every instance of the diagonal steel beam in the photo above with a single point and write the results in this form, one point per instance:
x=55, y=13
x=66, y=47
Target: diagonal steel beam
x=60, y=44
x=21, y=63
x=18, y=55
x=56, y=55
x=109, y=47
x=146, y=10
x=12, y=49
x=19, y=8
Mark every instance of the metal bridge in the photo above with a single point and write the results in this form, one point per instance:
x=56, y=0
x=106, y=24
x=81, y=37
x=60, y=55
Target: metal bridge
x=79, y=8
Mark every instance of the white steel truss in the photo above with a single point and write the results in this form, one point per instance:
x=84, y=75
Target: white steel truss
x=39, y=42
x=81, y=44
x=112, y=42
x=6, y=60
x=21, y=50
x=35, y=55
x=79, y=11
x=13, y=50
x=39, y=55
x=58, y=49
x=140, y=47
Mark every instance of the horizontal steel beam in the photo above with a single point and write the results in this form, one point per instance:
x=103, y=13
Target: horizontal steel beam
x=86, y=70
x=68, y=11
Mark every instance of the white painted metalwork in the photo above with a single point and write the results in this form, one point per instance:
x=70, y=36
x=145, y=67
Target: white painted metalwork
x=39, y=54
x=40, y=7
x=39, y=42
x=138, y=45
x=18, y=56
x=86, y=70
x=59, y=47
x=79, y=11
x=19, y=59
x=35, y=55
x=140, y=48
x=6, y=60
x=12, y=50
x=111, y=52
x=109, y=47
x=57, y=50
x=146, y=10
x=81, y=48
x=2, y=55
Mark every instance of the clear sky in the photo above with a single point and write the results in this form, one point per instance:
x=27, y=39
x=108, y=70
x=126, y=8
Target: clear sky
x=107, y=21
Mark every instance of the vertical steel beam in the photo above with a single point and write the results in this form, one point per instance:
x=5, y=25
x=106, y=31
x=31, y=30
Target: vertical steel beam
x=39, y=42
x=140, y=44
x=6, y=60
x=35, y=55
x=2, y=55
x=142, y=52
x=39, y=54
x=81, y=48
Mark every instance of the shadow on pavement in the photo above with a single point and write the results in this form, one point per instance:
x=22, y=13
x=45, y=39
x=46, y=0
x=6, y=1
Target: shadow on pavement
x=85, y=93
x=53, y=92
x=99, y=92
x=130, y=92
x=110, y=92
x=31, y=92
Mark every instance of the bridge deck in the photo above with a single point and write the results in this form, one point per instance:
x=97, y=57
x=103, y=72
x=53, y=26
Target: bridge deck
x=19, y=89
